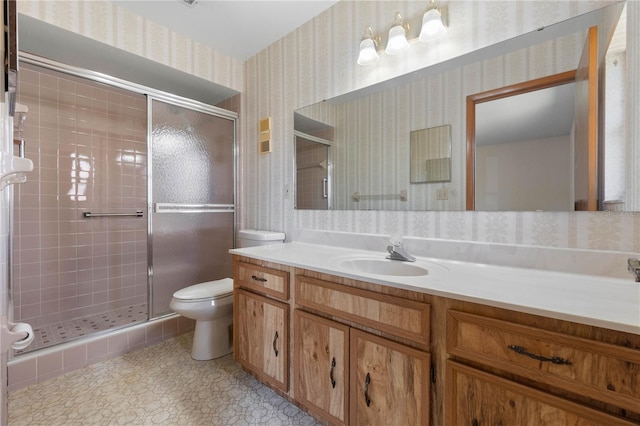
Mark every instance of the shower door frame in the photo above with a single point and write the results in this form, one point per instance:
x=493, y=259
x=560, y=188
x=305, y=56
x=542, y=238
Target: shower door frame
x=151, y=94
x=194, y=106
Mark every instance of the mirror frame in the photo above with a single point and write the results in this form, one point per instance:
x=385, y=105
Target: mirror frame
x=491, y=95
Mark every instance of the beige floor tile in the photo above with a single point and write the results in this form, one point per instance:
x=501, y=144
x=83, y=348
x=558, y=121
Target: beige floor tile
x=158, y=385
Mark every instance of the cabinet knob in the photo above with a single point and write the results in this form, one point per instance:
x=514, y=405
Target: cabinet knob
x=260, y=279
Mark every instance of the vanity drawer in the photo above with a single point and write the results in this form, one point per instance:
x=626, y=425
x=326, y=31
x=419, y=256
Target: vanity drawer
x=260, y=279
x=597, y=370
x=394, y=315
x=478, y=398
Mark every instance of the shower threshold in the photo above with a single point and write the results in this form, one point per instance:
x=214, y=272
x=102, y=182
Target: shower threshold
x=65, y=331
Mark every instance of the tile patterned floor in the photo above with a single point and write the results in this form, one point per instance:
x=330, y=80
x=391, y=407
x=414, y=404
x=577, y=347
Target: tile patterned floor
x=158, y=385
x=65, y=331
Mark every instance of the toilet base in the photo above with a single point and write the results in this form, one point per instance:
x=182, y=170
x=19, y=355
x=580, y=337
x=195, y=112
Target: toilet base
x=212, y=339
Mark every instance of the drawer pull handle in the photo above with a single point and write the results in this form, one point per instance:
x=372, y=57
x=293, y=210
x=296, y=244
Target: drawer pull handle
x=367, y=380
x=333, y=365
x=553, y=360
x=275, y=342
x=262, y=280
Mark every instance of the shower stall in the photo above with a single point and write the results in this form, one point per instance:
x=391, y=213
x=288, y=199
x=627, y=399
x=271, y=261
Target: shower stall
x=132, y=197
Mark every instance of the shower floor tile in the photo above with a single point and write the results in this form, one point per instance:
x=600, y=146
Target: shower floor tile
x=65, y=331
x=160, y=385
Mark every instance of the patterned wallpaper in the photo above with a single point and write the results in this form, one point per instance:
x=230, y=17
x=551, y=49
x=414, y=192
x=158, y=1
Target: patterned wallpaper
x=104, y=21
x=317, y=61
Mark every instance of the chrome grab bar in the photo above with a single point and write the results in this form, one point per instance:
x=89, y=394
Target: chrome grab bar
x=87, y=215
x=402, y=196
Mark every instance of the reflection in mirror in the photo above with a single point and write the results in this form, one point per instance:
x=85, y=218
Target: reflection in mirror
x=313, y=172
x=527, y=167
x=372, y=126
x=430, y=155
x=521, y=146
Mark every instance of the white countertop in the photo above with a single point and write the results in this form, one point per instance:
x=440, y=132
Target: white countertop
x=611, y=303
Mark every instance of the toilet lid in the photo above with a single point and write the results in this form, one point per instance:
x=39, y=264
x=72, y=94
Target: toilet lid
x=209, y=290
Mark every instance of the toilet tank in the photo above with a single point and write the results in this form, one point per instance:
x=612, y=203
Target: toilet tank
x=254, y=237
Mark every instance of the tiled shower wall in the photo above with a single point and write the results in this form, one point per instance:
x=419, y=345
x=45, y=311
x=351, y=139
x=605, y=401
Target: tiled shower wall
x=88, y=144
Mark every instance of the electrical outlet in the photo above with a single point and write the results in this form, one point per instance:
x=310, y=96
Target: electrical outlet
x=442, y=194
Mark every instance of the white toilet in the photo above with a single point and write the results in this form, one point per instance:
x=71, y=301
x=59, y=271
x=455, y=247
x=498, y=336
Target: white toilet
x=211, y=304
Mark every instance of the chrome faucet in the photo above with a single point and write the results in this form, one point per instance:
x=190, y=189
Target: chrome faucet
x=397, y=252
x=634, y=268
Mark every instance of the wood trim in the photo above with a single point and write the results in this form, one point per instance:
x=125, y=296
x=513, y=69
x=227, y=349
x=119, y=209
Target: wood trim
x=574, y=380
x=277, y=284
x=307, y=404
x=592, y=201
x=499, y=93
x=422, y=335
x=451, y=413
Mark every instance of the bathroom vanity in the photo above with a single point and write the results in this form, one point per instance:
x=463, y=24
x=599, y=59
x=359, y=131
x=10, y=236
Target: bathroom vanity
x=354, y=341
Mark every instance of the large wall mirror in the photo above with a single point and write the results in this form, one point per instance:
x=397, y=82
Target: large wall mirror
x=373, y=164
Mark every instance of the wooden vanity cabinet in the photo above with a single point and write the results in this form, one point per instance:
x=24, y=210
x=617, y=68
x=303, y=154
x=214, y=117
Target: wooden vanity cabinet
x=518, y=374
x=362, y=355
x=377, y=381
x=321, y=360
x=261, y=323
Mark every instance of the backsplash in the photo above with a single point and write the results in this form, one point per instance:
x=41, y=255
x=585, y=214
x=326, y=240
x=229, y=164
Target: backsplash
x=597, y=231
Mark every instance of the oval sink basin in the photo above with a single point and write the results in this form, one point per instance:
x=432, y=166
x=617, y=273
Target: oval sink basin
x=384, y=267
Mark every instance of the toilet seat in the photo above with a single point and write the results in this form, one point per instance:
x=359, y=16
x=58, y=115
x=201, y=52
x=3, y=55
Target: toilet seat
x=210, y=290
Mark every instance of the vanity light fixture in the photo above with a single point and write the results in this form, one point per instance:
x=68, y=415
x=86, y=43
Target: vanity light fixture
x=368, y=48
x=433, y=26
x=432, y=23
x=397, y=42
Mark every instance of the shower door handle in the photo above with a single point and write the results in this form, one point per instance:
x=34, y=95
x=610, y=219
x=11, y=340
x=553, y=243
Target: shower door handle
x=325, y=181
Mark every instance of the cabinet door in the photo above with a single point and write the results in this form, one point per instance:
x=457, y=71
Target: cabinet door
x=476, y=398
x=389, y=382
x=262, y=337
x=321, y=366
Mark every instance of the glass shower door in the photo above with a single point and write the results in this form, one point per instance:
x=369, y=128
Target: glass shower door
x=192, y=199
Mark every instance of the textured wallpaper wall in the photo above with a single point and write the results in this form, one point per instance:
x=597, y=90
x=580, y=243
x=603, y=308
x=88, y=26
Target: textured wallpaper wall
x=318, y=61
x=104, y=21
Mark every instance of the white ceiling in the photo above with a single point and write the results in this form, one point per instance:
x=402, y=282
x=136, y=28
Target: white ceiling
x=238, y=28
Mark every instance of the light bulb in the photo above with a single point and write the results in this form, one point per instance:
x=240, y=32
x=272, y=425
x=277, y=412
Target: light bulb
x=397, y=42
x=432, y=25
x=368, y=48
